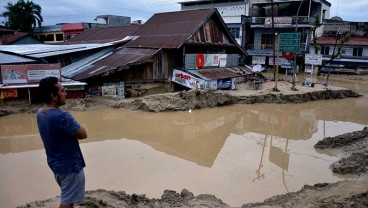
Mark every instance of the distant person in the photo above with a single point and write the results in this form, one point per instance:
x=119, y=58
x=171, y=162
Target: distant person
x=60, y=133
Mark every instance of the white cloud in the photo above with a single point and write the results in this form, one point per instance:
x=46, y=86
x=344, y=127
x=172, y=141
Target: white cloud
x=86, y=11
x=350, y=10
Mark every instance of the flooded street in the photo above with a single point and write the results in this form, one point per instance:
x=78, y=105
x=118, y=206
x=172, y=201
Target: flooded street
x=239, y=153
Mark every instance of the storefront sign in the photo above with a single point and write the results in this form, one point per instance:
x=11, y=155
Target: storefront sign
x=40, y=74
x=109, y=91
x=278, y=21
x=8, y=93
x=282, y=62
x=258, y=60
x=115, y=91
x=224, y=84
x=187, y=80
x=32, y=73
x=313, y=59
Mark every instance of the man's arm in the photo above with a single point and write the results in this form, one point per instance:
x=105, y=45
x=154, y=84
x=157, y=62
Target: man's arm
x=81, y=133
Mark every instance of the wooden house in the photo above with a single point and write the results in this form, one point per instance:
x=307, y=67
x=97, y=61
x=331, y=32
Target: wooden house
x=167, y=41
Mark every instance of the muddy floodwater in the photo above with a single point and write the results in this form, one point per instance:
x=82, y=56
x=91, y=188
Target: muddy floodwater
x=239, y=153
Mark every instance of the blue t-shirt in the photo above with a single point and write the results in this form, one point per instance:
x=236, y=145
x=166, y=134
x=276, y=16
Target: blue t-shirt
x=58, y=132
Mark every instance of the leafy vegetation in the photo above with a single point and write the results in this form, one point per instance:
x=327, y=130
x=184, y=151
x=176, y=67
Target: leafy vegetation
x=23, y=15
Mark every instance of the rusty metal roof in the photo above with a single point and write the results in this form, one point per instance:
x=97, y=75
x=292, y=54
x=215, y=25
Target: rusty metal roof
x=7, y=39
x=121, y=58
x=354, y=41
x=171, y=29
x=104, y=35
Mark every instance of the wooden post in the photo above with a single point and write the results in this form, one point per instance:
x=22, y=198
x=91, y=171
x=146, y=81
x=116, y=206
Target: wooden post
x=29, y=96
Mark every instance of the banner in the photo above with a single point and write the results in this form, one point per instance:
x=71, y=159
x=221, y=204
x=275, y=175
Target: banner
x=278, y=21
x=8, y=93
x=187, y=80
x=32, y=73
x=222, y=60
x=219, y=60
x=313, y=59
x=224, y=84
x=114, y=90
x=258, y=60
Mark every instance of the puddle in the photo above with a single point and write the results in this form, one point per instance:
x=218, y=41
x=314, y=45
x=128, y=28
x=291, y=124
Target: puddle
x=239, y=153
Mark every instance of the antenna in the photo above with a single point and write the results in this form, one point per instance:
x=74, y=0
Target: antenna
x=337, y=10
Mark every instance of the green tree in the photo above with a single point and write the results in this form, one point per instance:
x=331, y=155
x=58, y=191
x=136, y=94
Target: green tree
x=340, y=40
x=23, y=15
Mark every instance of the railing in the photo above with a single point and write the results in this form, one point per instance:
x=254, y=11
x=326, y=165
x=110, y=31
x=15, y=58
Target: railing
x=284, y=21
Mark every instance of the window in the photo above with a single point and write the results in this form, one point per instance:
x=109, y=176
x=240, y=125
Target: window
x=235, y=32
x=59, y=37
x=358, y=52
x=325, y=50
x=47, y=37
x=267, y=41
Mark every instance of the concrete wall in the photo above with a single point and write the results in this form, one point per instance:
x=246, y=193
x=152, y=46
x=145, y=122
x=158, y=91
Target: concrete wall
x=230, y=12
x=26, y=40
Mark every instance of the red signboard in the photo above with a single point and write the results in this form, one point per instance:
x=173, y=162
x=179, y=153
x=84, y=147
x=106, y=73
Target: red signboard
x=72, y=26
x=8, y=93
x=288, y=55
x=32, y=73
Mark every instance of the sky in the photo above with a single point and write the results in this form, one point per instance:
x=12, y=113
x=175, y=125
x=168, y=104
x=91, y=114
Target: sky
x=74, y=11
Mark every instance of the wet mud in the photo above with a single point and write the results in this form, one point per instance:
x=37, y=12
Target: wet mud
x=354, y=149
x=353, y=193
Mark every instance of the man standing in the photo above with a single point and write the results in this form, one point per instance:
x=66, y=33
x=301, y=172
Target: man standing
x=60, y=133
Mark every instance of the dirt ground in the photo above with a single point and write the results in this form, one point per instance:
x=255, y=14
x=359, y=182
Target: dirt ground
x=185, y=100
x=352, y=148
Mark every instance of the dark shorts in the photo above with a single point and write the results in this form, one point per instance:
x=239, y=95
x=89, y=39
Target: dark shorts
x=72, y=187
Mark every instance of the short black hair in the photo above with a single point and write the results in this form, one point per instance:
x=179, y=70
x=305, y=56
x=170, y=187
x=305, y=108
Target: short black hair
x=48, y=88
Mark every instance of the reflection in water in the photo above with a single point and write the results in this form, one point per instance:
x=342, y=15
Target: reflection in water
x=240, y=153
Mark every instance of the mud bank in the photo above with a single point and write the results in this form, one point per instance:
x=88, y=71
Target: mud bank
x=185, y=100
x=353, y=193
x=352, y=147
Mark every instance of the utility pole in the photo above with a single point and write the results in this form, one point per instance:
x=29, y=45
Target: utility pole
x=274, y=47
x=296, y=30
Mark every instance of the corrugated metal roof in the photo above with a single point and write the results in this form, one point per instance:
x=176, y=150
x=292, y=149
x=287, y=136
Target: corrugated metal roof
x=44, y=50
x=216, y=73
x=49, y=28
x=78, y=67
x=104, y=35
x=171, y=29
x=13, y=59
x=119, y=59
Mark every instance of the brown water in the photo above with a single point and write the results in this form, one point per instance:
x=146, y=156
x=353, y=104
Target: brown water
x=239, y=153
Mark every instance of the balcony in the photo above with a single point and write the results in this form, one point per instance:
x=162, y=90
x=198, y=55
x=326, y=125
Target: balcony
x=279, y=22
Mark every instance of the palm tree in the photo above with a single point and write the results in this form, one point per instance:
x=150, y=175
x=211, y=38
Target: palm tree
x=23, y=15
